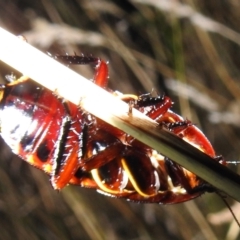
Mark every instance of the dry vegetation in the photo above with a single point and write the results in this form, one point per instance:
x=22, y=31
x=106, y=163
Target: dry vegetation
x=188, y=49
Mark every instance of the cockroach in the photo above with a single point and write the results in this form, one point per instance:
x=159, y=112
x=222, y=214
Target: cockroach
x=75, y=147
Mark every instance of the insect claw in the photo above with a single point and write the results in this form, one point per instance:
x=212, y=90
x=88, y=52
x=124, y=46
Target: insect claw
x=131, y=105
x=22, y=38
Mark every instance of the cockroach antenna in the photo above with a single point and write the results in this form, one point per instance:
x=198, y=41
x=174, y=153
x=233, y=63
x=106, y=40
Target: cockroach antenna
x=223, y=197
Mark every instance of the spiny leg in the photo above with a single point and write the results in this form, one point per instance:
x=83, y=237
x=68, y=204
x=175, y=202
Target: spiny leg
x=68, y=147
x=158, y=105
x=101, y=74
x=176, y=127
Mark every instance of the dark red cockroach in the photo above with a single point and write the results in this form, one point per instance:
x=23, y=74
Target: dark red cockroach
x=74, y=147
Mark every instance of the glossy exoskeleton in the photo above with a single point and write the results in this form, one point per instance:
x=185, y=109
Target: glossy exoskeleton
x=74, y=147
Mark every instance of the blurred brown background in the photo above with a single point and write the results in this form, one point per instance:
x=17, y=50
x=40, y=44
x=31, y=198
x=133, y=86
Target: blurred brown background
x=189, y=50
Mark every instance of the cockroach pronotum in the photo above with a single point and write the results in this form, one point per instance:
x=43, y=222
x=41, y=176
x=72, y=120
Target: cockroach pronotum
x=74, y=147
